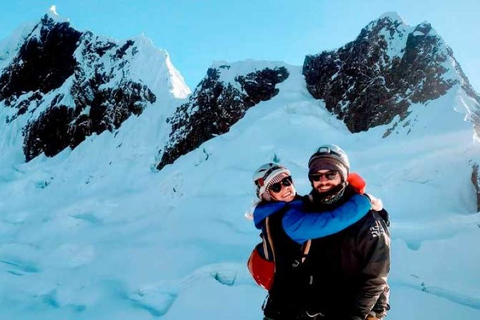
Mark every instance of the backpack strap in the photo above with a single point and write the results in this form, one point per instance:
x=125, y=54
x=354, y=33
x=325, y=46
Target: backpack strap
x=306, y=249
x=265, y=246
x=269, y=239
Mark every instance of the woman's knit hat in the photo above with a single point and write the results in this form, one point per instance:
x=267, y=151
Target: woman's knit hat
x=267, y=175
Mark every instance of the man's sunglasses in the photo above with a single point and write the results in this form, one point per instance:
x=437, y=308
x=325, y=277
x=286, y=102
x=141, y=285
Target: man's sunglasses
x=277, y=187
x=329, y=175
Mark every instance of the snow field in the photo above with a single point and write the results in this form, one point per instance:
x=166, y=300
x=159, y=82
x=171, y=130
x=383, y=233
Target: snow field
x=96, y=231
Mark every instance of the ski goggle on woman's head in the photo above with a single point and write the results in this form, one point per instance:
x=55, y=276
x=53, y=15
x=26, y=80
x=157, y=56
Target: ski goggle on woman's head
x=277, y=187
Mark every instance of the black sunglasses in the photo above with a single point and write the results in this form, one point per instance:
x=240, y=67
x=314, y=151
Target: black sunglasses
x=329, y=175
x=277, y=187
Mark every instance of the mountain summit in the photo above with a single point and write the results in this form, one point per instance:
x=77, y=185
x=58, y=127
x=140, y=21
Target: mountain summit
x=387, y=71
x=62, y=85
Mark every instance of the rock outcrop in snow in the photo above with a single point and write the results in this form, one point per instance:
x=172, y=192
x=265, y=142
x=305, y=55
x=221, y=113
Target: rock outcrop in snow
x=476, y=183
x=389, y=67
x=219, y=101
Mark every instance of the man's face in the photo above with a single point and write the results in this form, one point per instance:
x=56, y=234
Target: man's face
x=325, y=180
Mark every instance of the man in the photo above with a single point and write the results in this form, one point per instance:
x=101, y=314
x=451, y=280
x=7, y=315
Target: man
x=349, y=269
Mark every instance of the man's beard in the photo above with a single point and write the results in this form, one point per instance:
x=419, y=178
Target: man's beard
x=331, y=195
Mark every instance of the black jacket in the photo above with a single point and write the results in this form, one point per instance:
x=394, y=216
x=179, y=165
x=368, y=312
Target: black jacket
x=349, y=269
x=286, y=297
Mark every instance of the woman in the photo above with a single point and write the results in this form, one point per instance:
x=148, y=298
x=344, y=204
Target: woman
x=288, y=228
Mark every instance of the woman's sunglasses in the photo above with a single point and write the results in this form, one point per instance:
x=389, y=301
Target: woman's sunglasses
x=277, y=187
x=329, y=175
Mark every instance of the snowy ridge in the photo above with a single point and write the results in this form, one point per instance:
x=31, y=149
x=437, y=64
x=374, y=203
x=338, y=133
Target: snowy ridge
x=10, y=45
x=228, y=72
x=393, y=16
x=164, y=78
x=389, y=18
x=140, y=62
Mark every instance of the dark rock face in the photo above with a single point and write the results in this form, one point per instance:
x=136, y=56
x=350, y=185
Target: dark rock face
x=366, y=85
x=215, y=106
x=49, y=133
x=476, y=183
x=43, y=63
x=61, y=126
x=97, y=99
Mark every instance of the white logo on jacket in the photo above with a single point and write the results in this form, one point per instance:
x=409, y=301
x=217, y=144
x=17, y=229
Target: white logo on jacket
x=376, y=231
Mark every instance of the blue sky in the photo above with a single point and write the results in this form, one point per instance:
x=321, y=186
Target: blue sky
x=197, y=32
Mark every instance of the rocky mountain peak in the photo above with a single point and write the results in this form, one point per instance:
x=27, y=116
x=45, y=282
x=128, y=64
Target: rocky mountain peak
x=43, y=62
x=389, y=23
x=386, y=69
x=392, y=16
x=62, y=85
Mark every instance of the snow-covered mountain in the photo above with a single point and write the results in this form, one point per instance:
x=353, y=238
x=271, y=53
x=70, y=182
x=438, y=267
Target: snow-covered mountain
x=384, y=72
x=91, y=229
x=61, y=85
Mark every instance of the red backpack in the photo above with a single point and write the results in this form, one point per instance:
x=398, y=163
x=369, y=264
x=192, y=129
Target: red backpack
x=261, y=262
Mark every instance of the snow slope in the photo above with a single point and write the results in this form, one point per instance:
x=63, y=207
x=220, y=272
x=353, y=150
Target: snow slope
x=96, y=233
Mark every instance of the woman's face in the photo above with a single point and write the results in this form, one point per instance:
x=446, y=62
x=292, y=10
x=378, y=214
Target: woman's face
x=283, y=190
